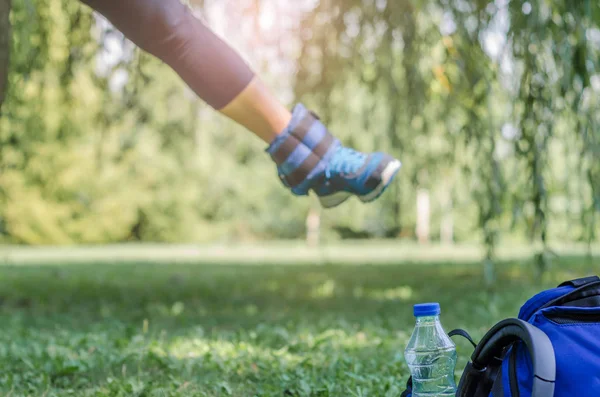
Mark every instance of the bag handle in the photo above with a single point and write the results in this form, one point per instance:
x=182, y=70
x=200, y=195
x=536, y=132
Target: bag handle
x=580, y=282
x=486, y=360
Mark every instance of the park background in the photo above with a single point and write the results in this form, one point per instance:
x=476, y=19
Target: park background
x=148, y=247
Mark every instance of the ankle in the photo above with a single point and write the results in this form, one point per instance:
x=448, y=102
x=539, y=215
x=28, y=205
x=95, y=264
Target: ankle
x=302, y=150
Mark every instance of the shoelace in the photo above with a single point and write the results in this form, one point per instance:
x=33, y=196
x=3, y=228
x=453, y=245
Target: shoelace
x=344, y=161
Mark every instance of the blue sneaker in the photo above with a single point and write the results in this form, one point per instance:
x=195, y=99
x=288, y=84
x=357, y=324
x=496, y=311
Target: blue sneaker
x=309, y=157
x=350, y=172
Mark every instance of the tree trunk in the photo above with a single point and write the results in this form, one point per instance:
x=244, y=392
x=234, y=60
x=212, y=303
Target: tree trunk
x=313, y=226
x=5, y=35
x=423, y=215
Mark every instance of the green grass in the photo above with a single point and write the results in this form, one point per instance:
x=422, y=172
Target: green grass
x=168, y=329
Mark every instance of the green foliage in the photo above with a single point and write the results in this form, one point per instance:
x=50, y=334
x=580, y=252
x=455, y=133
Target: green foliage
x=86, y=160
x=168, y=329
x=445, y=96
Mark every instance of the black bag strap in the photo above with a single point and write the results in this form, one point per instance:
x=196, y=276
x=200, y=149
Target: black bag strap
x=580, y=282
x=464, y=334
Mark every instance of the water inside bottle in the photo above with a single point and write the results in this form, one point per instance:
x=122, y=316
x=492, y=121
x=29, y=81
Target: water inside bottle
x=432, y=372
x=431, y=355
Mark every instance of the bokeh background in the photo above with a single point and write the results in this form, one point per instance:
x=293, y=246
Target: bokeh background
x=491, y=105
x=149, y=249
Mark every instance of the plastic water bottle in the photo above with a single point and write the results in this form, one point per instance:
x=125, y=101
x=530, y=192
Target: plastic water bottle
x=431, y=355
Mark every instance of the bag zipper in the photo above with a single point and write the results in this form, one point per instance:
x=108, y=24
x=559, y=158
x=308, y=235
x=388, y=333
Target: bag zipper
x=553, y=297
x=573, y=318
x=576, y=294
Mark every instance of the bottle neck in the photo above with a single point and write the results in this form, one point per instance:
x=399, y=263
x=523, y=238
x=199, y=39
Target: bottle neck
x=428, y=320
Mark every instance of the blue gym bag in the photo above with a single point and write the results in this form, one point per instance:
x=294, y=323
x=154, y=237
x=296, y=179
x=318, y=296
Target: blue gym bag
x=551, y=350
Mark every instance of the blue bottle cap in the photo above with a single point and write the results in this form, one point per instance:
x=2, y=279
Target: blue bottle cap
x=426, y=309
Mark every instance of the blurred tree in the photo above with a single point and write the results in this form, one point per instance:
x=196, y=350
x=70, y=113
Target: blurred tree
x=440, y=75
x=5, y=34
x=491, y=105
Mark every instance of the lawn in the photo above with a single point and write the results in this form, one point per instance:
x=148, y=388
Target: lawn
x=163, y=328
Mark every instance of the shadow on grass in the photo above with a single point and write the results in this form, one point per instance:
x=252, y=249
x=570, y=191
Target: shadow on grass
x=212, y=290
x=233, y=296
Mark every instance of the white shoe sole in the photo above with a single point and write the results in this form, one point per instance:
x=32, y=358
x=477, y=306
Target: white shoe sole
x=338, y=198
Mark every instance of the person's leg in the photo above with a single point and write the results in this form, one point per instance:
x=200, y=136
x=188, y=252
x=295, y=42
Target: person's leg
x=257, y=109
x=213, y=70
x=308, y=157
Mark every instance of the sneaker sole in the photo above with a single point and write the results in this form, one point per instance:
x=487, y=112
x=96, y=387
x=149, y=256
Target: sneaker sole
x=387, y=176
x=333, y=200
